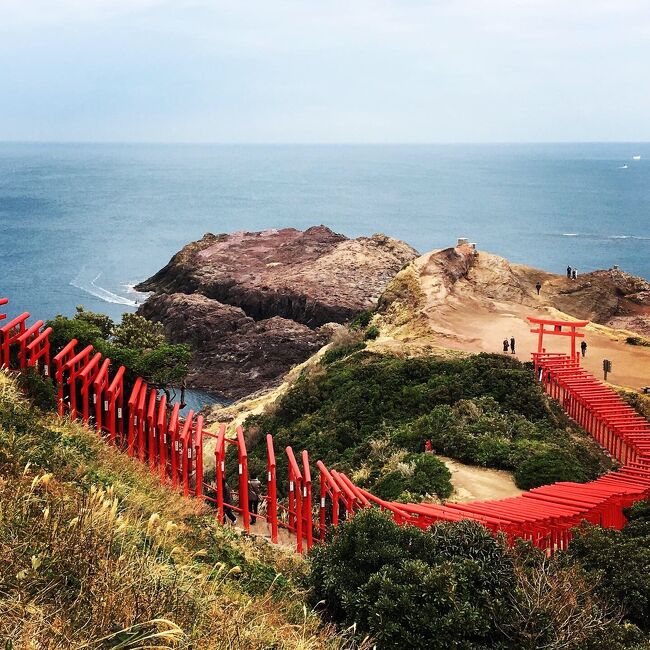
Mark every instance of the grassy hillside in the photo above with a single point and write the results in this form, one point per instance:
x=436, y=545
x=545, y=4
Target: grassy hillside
x=94, y=553
x=370, y=414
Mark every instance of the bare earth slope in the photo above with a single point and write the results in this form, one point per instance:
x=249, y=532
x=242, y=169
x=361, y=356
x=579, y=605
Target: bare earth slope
x=254, y=304
x=456, y=299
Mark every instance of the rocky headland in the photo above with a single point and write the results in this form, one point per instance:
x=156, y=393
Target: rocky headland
x=254, y=304
x=460, y=299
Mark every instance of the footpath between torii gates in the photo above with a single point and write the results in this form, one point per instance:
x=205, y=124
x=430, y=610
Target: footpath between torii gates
x=136, y=418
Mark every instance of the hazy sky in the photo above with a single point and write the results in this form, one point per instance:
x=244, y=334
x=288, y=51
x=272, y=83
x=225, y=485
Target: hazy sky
x=330, y=71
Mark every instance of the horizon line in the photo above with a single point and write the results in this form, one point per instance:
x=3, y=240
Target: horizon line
x=321, y=143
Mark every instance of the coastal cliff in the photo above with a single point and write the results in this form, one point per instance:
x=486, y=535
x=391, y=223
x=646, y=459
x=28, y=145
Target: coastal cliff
x=254, y=304
x=464, y=300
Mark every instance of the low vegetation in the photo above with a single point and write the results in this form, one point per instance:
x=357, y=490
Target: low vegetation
x=94, y=553
x=638, y=340
x=620, y=562
x=457, y=586
x=370, y=414
x=136, y=343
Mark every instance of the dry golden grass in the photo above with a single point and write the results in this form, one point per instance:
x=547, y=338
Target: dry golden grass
x=94, y=553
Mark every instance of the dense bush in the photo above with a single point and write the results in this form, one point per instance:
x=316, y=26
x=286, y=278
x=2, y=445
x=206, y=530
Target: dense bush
x=409, y=588
x=362, y=320
x=419, y=474
x=457, y=586
x=136, y=343
x=371, y=333
x=620, y=560
x=340, y=352
x=485, y=410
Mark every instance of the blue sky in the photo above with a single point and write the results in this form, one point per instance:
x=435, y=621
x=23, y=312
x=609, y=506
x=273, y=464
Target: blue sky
x=335, y=71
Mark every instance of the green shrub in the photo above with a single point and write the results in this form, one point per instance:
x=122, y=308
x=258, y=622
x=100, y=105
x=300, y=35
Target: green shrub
x=371, y=333
x=486, y=410
x=430, y=476
x=330, y=356
x=39, y=389
x=409, y=588
x=549, y=466
x=619, y=561
x=136, y=343
x=362, y=320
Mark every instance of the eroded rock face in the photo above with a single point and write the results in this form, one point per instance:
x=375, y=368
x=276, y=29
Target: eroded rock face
x=311, y=277
x=254, y=304
x=234, y=354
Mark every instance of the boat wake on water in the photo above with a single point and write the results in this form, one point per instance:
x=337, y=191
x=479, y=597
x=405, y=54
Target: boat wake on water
x=100, y=292
x=604, y=237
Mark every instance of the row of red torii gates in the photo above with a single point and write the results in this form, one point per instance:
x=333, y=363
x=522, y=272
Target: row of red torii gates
x=137, y=418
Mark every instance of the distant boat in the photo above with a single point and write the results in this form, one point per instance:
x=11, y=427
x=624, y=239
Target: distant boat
x=636, y=157
x=623, y=167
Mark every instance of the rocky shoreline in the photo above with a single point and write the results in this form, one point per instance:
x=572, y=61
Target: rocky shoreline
x=254, y=304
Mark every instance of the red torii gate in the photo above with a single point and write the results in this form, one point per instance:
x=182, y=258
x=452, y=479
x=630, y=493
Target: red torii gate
x=558, y=329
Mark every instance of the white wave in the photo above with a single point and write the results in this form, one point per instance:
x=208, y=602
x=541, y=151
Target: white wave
x=140, y=296
x=637, y=237
x=101, y=293
x=597, y=237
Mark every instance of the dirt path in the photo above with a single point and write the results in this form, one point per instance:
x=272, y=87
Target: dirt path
x=489, y=301
x=473, y=483
x=485, y=330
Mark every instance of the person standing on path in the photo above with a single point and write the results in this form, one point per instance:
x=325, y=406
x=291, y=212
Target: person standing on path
x=227, y=501
x=574, y=274
x=506, y=346
x=254, y=489
x=568, y=272
x=538, y=286
x=583, y=347
x=512, y=345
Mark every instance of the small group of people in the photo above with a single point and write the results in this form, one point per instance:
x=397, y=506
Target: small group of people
x=571, y=273
x=254, y=495
x=509, y=345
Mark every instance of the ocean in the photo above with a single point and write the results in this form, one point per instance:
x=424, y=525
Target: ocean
x=83, y=223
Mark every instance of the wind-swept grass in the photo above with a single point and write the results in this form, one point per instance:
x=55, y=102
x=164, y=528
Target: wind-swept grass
x=94, y=553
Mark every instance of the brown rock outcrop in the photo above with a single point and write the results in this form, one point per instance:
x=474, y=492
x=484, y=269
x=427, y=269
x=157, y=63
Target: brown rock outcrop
x=312, y=277
x=234, y=354
x=254, y=304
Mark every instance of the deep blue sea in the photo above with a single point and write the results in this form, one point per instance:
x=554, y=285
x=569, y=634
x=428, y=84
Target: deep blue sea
x=81, y=224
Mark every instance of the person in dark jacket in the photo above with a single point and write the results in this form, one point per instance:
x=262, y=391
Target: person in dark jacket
x=538, y=286
x=227, y=501
x=506, y=346
x=254, y=491
x=568, y=272
x=583, y=347
x=512, y=345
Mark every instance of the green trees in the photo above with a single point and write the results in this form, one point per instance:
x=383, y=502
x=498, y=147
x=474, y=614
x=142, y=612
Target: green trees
x=417, y=475
x=136, y=343
x=620, y=561
x=457, y=586
x=364, y=413
x=409, y=588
